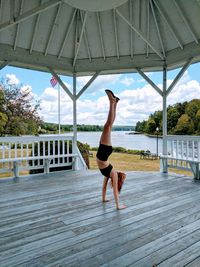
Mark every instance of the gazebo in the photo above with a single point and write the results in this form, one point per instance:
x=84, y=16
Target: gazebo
x=51, y=222
x=78, y=38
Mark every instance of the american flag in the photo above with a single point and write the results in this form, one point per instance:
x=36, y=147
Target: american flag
x=53, y=81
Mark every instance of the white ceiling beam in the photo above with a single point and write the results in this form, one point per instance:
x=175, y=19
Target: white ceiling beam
x=148, y=27
x=157, y=28
x=115, y=33
x=52, y=28
x=141, y=34
x=80, y=39
x=12, y=10
x=4, y=64
x=61, y=83
x=167, y=21
x=101, y=35
x=139, y=14
x=87, y=84
x=86, y=39
x=150, y=81
x=67, y=32
x=37, y=61
x=179, y=75
x=29, y=14
x=35, y=30
x=187, y=24
x=1, y=8
x=17, y=29
x=131, y=31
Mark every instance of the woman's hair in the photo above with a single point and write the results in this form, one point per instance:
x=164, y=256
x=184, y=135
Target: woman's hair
x=121, y=179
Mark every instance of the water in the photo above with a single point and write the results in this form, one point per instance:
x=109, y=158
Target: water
x=123, y=139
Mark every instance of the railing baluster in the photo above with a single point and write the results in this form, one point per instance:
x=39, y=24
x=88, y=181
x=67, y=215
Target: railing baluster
x=193, y=150
x=54, y=151
x=58, y=151
x=182, y=153
x=9, y=150
x=3, y=150
x=15, y=153
x=33, y=152
x=26, y=149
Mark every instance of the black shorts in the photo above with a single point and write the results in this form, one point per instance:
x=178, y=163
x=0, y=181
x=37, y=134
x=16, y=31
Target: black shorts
x=106, y=171
x=104, y=151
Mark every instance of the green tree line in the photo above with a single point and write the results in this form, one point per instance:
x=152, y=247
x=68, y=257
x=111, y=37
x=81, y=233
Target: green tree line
x=48, y=127
x=182, y=119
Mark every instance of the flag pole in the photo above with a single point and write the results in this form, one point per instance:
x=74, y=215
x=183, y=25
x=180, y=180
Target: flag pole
x=58, y=108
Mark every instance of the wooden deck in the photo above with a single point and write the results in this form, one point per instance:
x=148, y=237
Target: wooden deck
x=59, y=220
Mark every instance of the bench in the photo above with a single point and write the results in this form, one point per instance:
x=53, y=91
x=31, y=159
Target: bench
x=47, y=160
x=173, y=162
x=148, y=155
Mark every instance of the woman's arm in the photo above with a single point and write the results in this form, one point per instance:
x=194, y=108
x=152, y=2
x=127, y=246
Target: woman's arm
x=104, y=188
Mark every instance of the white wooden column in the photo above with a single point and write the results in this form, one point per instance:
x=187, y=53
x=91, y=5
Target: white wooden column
x=163, y=163
x=74, y=145
x=164, y=110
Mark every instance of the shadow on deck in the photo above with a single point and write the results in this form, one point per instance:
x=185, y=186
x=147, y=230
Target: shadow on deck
x=59, y=220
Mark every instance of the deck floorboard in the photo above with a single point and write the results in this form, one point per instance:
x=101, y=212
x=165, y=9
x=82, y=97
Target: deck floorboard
x=59, y=220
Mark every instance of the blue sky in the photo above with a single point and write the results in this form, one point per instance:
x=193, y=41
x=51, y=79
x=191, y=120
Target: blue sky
x=138, y=99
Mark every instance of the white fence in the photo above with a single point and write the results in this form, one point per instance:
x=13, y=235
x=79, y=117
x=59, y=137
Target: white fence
x=183, y=152
x=22, y=154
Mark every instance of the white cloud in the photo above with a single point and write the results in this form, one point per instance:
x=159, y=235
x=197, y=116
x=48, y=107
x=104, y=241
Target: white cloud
x=12, y=79
x=100, y=83
x=127, y=81
x=135, y=104
x=184, y=92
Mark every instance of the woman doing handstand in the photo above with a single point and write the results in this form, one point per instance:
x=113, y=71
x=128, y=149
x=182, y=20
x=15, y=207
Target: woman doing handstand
x=105, y=150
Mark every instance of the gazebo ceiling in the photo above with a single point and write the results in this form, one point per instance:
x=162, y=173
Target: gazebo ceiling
x=87, y=36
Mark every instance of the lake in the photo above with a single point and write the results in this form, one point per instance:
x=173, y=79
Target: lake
x=123, y=139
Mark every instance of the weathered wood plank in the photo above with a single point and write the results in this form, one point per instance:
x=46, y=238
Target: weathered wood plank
x=58, y=219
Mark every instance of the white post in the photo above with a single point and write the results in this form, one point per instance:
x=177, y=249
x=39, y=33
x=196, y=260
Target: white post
x=58, y=108
x=164, y=117
x=74, y=145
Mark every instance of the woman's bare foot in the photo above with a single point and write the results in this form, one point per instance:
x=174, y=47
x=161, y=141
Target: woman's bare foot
x=111, y=96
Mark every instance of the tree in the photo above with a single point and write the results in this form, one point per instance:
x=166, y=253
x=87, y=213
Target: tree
x=3, y=121
x=172, y=118
x=140, y=126
x=20, y=112
x=151, y=126
x=198, y=119
x=184, y=125
x=192, y=109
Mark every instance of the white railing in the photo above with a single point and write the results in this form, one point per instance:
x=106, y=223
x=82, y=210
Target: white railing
x=184, y=147
x=183, y=152
x=36, y=152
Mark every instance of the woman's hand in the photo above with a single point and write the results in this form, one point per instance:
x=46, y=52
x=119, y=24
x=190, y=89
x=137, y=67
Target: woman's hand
x=121, y=207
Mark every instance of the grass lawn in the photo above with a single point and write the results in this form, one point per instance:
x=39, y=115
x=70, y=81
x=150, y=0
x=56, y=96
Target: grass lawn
x=129, y=162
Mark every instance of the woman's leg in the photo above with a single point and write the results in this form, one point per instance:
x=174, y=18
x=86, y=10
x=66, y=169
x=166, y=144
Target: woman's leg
x=106, y=134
